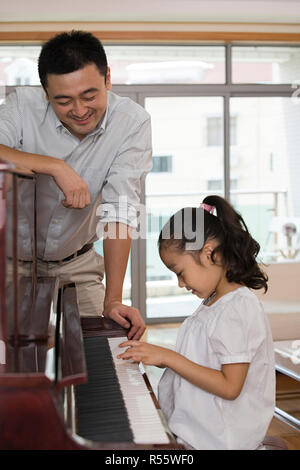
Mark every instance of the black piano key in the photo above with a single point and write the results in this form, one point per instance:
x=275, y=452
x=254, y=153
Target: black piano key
x=101, y=411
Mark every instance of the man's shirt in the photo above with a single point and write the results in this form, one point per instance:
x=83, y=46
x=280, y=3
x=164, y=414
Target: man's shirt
x=113, y=159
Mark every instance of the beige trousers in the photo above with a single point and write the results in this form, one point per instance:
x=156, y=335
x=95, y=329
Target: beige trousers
x=86, y=271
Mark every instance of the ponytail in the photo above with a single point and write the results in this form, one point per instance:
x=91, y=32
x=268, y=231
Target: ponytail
x=239, y=250
x=237, y=247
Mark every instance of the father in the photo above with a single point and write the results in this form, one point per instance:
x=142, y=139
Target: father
x=91, y=149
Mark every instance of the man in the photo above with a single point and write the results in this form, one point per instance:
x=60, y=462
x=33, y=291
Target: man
x=96, y=147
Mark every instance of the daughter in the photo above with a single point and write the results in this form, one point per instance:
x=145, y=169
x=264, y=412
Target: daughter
x=218, y=389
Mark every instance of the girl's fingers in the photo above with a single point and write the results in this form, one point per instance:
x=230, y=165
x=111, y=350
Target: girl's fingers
x=130, y=343
x=130, y=353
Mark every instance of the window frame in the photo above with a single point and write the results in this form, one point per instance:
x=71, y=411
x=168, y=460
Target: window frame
x=227, y=90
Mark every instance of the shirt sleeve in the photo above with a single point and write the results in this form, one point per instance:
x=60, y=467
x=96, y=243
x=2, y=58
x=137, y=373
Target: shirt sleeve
x=11, y=122
x=122, y=187
x=236, y=335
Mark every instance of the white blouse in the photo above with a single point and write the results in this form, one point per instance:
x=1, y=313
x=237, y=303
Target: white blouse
x=233, y=329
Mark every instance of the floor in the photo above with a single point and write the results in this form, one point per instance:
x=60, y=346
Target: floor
x=288, y=393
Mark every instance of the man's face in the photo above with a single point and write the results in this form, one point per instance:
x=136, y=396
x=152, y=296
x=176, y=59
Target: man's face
x=79, y=98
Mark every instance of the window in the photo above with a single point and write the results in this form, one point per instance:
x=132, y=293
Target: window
x=233, y=130
x=132, y=64
x=265, y=64
x=162, y=164
x=166, y=64
x=217, y=185
x=214, y=185
x=214, y=131
x=18, y=65
x=178, y=124
x=238, y=139
x=267, y=166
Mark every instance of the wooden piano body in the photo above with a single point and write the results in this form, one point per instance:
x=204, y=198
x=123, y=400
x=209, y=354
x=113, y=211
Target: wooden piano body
x=42, y=353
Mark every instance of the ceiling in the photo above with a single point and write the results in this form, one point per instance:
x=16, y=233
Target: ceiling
x=262, y=11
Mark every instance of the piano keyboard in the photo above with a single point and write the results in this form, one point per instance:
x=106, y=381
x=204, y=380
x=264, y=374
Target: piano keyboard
x=143, y=417
x=115, y=404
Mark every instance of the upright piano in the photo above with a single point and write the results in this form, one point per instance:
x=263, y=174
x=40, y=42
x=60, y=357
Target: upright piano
x=61, y=384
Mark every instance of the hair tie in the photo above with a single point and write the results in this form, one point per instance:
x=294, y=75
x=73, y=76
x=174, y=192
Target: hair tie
x=207, y=208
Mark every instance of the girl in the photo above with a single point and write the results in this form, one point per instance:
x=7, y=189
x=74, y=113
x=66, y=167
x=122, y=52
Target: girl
x=218, y=388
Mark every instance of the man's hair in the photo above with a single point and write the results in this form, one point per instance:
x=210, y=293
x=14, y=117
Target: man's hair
x=68, y=52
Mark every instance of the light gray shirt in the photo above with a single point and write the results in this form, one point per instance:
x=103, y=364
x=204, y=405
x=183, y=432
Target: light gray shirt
x=113, y=159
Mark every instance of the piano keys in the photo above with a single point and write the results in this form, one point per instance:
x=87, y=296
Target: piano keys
x=145, y=418
x=116, y=403
x=101, y=410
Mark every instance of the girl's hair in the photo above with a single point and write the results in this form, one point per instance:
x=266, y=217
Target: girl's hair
x=237, y=247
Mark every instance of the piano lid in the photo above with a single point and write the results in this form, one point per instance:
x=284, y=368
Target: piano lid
x=36, y=337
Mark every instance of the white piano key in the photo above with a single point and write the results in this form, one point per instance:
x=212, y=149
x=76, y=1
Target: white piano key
x=143, y=417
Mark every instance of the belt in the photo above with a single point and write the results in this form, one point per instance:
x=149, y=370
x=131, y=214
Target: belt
x=82, y=250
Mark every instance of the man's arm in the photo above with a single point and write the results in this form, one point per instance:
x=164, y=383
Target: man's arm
x=116, y=247
x=72, y=185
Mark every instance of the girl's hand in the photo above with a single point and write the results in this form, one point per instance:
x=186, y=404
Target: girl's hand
x=148, y=354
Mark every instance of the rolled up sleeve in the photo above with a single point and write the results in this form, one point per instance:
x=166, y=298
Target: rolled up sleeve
x=122, y=187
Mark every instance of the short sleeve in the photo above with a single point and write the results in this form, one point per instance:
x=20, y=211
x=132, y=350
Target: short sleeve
x=235, y=335
x=11, y=122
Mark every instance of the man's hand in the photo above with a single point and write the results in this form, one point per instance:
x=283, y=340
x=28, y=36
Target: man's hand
x=128, y=317
x=75, y=189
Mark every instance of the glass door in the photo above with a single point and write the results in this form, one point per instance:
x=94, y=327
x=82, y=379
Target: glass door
x=188, y=156
x=264, y=163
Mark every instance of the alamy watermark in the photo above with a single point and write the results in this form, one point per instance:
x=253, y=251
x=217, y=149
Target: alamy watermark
x=138, y=217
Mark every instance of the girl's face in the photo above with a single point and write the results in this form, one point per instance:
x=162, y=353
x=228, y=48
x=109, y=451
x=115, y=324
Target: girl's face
x=199, y=275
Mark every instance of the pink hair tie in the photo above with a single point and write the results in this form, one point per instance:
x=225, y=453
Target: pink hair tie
x=207, y=208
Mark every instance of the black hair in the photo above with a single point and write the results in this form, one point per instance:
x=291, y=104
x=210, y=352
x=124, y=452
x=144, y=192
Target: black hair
x=235, y=244
x=68, y=52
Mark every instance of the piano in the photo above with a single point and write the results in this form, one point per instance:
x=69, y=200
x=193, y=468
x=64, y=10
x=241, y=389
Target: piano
x=61, y=384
